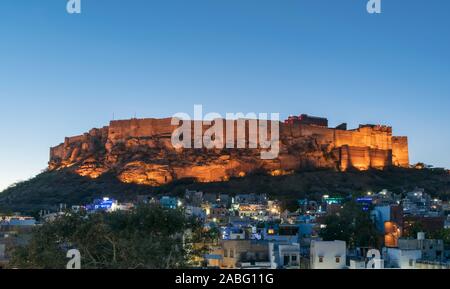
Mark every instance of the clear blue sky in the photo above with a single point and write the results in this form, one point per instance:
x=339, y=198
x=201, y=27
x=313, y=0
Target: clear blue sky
x=63, y=74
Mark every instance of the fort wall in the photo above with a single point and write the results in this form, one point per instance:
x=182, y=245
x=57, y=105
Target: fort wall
x=135, y=128
x=301, y=145
x=400, y=151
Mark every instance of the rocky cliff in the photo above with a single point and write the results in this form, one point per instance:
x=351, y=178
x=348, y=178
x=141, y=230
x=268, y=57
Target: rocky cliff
x=140, y=151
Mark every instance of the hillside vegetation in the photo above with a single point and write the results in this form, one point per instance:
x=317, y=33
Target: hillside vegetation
x=49, y=189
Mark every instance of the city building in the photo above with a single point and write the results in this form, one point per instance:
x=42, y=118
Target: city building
x=197, y=212
x=244, y=253
x=281, y=233
x=105, y=204
x=416, y=203
x=388, y=220
x=401, y=258
x=169, y=202
x=328, y=254
x=250, y=199
x=307, y=120
x=193, y=198
x=284, y=255
x=431, y=249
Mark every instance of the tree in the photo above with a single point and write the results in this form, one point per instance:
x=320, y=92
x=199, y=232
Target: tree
x=413, y=229
x=352, y=225
x=443, y=234
x=146, y=237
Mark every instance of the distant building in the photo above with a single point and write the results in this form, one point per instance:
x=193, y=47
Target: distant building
x=14, y=231
x=218, y=214
x=250, y=199
x=401, y=258
x=244, y=254
x=223, y=200
x=392, y=233
x=197, y=212
x=194, y=198
x=328, y=254
x=233, y=233
x=105, y=204
x=417, y=203
x=306, y=230
x=284, y=255
x=422, y=264
x=416, y=253
x=282, y=233
x=17, y=221
x=308, y=120
x=357, y=264
x=255, y=211
x=169, y=202
x=365, y=202
x=388, y=220
x=125, y=206
x=210, y=198
x=384, y=197
x=431, y=250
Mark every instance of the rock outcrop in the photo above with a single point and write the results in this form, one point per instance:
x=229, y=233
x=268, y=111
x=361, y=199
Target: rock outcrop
x=140, y=151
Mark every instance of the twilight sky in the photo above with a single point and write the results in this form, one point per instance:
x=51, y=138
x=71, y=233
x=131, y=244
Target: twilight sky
x=62, y=74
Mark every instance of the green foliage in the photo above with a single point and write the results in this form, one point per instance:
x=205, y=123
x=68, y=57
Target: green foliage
x=146, y=237
x=352, y=225
x=47, y=190
x=443, y=234
x=414, y=229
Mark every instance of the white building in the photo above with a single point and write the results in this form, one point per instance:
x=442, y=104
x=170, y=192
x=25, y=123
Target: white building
x=328, y=254
x=357, y=264
x=432, y=250
x=402, y=258
x=237, y=235
x=284, y=255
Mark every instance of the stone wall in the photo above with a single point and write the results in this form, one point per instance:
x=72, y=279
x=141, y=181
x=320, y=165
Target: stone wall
x=400, y=151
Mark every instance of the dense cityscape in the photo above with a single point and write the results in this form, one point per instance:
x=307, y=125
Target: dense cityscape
x=253, y=231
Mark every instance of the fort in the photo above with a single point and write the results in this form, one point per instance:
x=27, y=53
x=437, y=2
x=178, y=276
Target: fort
x=140, y=151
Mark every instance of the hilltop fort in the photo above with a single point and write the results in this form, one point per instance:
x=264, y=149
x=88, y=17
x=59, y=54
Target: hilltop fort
x=140, y=151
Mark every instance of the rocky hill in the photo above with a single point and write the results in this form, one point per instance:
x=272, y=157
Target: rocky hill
x=140, y=151
x=137, y=157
